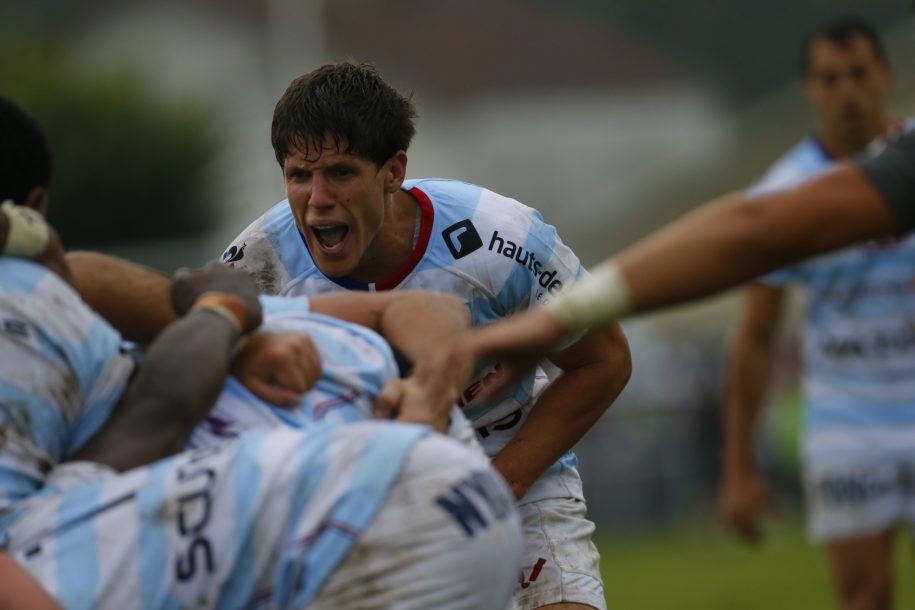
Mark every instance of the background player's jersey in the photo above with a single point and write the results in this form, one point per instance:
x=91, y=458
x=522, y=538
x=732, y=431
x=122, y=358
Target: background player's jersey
x=494, y=253
x=61, y=373
x=858, y=335
x=355, y=363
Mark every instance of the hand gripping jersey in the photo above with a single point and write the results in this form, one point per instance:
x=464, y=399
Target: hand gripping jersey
x=355, y=364
x=858, y=336
x=61, y=373
x=494, y=253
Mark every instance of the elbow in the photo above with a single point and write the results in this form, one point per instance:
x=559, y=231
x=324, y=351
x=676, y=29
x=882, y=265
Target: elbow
x=615, y=366
x=619, y=358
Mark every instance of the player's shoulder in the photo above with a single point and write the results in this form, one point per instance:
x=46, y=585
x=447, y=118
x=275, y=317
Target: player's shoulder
x=274, y=224
x=802, y=161
x=270, y=249
x=460, y=206
x=35, y=291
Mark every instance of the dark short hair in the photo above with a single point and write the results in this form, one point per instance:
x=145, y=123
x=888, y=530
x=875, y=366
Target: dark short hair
x=25, y=157
x=841, y=33
x=349, y=103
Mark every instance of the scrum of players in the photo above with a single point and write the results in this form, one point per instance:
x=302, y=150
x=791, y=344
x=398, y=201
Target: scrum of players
x=289, y=437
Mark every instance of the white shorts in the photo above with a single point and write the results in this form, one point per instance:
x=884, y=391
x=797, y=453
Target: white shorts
x=273, y=520
x=416, y=556
x=859, y=500
x=560, y=563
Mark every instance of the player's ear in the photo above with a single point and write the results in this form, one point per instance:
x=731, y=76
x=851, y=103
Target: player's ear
x=395, y=171
x=37, y=199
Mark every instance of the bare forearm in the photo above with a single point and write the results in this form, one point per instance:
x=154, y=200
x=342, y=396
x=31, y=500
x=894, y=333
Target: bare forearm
x=564, y=412
x=181, y=376
x=134, y=299
x=416, y=326
x=737, y=238
x=19, y=591
x=750, y=362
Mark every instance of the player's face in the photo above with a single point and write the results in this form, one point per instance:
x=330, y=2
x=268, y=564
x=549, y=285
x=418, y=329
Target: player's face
x=847, y=87
x=339, y=201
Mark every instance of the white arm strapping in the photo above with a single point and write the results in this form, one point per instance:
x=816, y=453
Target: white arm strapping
x=599, y=299
x=28, y=233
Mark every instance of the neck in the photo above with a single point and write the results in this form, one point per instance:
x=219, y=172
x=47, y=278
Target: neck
x=840, y=143
x=392, y=247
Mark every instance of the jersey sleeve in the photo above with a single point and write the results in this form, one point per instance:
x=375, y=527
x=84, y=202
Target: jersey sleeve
x=892, y=173
x=253, y=253
x=542, y=265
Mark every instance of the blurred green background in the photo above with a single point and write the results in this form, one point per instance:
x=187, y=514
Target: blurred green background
x=698, y=568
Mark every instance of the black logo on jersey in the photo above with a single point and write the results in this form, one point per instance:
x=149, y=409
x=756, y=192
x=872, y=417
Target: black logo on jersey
x=546, y=277
x=17, y=328
x=234, y=254
x=462, y=238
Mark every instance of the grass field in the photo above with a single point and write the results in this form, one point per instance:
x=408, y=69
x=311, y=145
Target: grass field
x=703, y=569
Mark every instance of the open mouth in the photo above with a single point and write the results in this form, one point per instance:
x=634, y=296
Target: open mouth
x=330, y=237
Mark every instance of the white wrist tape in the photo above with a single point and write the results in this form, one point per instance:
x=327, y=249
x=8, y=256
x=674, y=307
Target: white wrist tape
x=28, y=233
x=598, y=299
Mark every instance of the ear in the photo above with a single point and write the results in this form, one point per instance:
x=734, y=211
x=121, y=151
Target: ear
x=37, y=199
x=395, y=172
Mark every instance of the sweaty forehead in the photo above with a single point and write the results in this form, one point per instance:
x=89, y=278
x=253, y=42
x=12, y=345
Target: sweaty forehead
x=329, y=155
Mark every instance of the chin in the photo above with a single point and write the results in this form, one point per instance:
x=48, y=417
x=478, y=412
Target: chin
x=333, y=268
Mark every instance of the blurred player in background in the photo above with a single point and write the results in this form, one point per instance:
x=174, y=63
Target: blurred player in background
x=352, y=222
x=859, y=347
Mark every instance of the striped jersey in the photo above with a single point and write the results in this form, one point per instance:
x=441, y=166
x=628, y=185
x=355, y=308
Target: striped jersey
x=61, y=373
x=259, y=522
x=355, y=363
x=858, y=335
x=496, y=254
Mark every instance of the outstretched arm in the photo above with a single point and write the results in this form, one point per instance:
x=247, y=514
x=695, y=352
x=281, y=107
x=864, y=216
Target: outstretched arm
x=739, y=237
x=721, y=244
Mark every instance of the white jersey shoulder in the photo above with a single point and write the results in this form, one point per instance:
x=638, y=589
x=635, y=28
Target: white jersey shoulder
x=494, y=251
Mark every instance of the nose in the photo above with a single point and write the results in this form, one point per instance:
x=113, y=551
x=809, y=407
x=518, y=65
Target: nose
x=321, y=195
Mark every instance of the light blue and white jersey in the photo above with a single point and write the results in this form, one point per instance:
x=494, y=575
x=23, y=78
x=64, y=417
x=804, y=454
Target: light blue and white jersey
x=858, y=336
x=262, y=521
x=62, y=373
x=495, y=253
x=355, y=363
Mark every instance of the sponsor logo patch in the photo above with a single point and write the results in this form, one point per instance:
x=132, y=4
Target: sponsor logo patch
x=234, y=254
x=462, y=238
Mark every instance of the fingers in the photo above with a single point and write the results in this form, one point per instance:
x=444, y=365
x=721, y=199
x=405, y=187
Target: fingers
x=388, y=401
x=278, y=368
x=273, y=394
x=744, y=505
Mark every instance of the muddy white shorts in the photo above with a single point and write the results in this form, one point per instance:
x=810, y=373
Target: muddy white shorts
x=560, y=563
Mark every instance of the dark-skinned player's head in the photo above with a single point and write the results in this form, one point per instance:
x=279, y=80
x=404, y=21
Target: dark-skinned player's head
x=25, y=158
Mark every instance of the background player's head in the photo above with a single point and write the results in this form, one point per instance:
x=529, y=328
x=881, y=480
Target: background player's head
x=341, y=133
x=846, y=77
x=25, y=158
